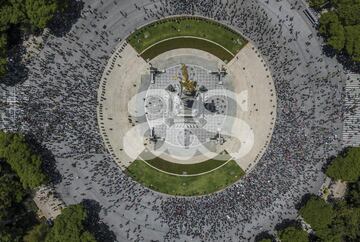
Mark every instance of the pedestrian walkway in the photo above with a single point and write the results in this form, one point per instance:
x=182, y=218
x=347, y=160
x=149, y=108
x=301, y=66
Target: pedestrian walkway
x=351, y=128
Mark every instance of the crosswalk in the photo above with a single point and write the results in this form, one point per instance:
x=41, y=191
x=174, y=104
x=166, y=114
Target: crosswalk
x=351, y=126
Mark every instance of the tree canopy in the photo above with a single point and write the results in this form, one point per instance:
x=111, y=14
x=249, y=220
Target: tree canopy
x=332, y=222
x=23, y=161
x=316, y=3
x=265, y=240
x=317, y=212
x=345, y=167
x=346, y=224
x=291, y=234
x=37, y=233
x=340, y=25
x=23, y=15
x=353, y=194
x=352, y=45
x=69, y=226
x=40, y=12
x=11, y=192
x=14, y=218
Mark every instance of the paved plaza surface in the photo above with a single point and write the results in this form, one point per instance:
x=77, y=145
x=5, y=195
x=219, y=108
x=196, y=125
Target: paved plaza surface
x=60, y=103
x=351, y=134
x=134, y=104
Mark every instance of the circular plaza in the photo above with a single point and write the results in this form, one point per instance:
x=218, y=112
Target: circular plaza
x=188, y=111
x=185, y=136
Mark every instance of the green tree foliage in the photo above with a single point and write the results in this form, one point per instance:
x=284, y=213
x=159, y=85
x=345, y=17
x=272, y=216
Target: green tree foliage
x=293, y=234
x=11, y=210
x=353, y=194
x=265, y=240
x=348, y=12
x=27, y=165
x=332, y=223
x=40, y=12
x=319, y=214
x=5, y=236
x=37, y=233
x=325, y=20
x=340, y=26
x=331, y=27
x=346, y=167
x=316, y=3
x=11, y=192
x=69, y=227
x=337, y=36
x=11, y=12
x=346, y=223
x=352, y=45
x=3, y=54
x=25, y=14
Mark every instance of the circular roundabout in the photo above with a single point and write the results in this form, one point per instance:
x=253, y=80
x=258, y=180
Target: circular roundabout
x=209, y=131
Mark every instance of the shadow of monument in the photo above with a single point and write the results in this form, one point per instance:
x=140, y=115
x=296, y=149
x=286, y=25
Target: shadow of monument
x=100, y=230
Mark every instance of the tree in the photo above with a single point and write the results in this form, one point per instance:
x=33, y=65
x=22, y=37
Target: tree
x=37, y=233
x=3, y=54
x=265, y=240
x=316, y=3
x=26, y=164
x=325, y=20
x=10, y=233
x=317, y=213
x=346, y=223
x=5, y=236
x=349, y=13
x=332, y=29
x=69, y=227
x=346, y=167
x=293, y=234
x=353, y=194
x=337, y=36
x=13, y=219
x=340, y=26
x=352, y=43
x=11, y=192
x=12, y=12
x=24, y=16
x=40, y=12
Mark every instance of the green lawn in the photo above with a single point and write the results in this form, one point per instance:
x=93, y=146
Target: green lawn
x=185, y=185
x=193, y=43
x=186, y=26
x=190, y=169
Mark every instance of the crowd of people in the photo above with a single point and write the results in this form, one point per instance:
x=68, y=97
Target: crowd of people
x=61, y=112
